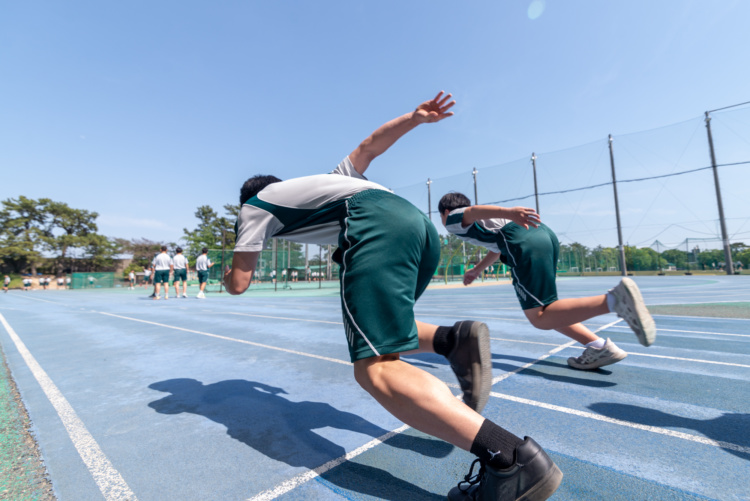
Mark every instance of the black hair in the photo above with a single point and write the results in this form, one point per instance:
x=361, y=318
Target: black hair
x=253, y=185
x=178, y=250
x=163, y=248
x=205, y=250
x=452, y=201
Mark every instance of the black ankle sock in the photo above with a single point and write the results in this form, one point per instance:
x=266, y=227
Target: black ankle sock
x=495, y=446
x=444, y=340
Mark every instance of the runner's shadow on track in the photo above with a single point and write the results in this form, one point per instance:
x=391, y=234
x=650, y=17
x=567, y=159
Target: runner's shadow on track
x=530, y=371
x=730, y=428
x=257, y=415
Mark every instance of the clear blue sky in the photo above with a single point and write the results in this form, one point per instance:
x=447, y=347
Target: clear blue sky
x=142, y=111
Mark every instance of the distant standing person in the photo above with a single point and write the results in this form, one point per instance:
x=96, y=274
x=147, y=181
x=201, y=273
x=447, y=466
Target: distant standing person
x=202, y=266
x=26, y=283
x=131, y=277
x=181, y=268
x=162, y=264
x=67, y=282
x=6, y=282
x=60, y=283
x=146, y=277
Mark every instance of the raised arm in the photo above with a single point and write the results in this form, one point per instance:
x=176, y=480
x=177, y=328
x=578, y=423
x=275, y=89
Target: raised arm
x=522, y=216
x=383, y=138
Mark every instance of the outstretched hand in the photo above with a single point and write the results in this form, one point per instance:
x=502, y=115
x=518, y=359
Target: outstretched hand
x=435, y=109
x=523, y=216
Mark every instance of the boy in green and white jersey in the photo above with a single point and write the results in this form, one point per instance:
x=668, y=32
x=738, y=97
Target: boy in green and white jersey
x=162, y=265
x=6, y=282
x=202, y=265
x=388, y=253
x=530, y=249
x=180, y=263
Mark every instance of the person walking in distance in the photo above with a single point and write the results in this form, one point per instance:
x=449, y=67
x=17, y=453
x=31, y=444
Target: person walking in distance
x=202, y=265
x=181, y=269
x=162, y=264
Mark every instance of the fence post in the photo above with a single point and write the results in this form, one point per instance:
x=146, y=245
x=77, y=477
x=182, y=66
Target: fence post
x=275, y=265
x=617, y=209
x=724, y=237
x=476, y=198
x=429, y=200
x=223, y=249
x=536, y=191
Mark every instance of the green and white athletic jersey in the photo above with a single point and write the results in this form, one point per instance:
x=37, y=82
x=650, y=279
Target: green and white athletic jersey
x=484, y=232
x=308, y=209
x=180, y=262
x=162, y=261
x=203, y=263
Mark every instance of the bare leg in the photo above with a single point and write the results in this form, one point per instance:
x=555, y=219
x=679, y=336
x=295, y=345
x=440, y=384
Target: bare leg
x=426, y=334
x=418, y=399
x=566, y=312
x=578, y=332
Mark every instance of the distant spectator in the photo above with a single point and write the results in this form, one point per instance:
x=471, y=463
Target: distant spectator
x=6, y=282
x=131, y=277
x=202, y=266
x=162, y=264
x=181, y=268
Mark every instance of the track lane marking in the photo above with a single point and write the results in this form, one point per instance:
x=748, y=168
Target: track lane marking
x=111, y=484
x=628, y=424
x=227, y=338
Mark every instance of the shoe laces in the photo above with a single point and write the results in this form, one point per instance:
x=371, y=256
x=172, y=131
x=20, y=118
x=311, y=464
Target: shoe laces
x=470, y=479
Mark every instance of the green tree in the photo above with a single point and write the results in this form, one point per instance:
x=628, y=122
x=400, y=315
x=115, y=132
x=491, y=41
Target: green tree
x=72, y=228
x=211, y=229
x=677, y=257
x=23, y=225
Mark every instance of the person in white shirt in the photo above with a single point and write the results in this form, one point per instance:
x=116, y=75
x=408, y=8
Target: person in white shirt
x=6, y=282
x=162, y=265
x=181, y=268
x=131, y=277
x=201, y=266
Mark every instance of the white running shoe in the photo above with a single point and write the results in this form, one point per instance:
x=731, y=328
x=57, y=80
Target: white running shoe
x=184, y=295
x=630, y=307
x=166, y=297
x=591, y=358
x=201, y=296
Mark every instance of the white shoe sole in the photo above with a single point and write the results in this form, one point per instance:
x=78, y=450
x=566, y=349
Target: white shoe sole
x=633, y=310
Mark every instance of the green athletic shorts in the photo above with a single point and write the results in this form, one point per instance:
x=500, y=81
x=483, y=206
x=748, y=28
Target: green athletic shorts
x=180, y=274
x=161, y=276
x=202, y=276
x=532, y=257
x=388, y=252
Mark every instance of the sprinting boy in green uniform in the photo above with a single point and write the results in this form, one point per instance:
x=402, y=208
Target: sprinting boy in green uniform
x=388, y=253
x=530, y=249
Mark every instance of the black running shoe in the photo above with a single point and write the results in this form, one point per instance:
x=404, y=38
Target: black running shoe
x=471, y=361
x=533, y=477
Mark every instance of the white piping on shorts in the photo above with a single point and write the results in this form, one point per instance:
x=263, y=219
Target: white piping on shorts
x=512, y=270
x=343, y=276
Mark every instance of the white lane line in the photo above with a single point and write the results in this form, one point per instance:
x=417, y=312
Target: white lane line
x=110, y=482
x=688, y=359
x=546, y=355
x=524, y=320
x=39, y=299
x=629, y=424
x=226, y=338
x=281, y=318
x=630, y=353
x=692, y=332
x=295, y=482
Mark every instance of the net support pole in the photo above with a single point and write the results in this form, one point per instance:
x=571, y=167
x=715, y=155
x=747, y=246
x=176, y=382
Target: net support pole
x=275, y=265
x=536, y=190
x=476, y=198
x=724, y=238
x=617, y=208
x=429, y=199
x=223, y=249
x=320, y=263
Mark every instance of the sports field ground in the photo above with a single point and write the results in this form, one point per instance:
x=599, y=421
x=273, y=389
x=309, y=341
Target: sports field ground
x=252, y=397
